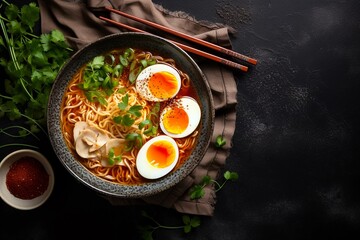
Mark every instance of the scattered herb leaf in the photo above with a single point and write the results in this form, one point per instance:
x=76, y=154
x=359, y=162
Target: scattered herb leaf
x=128, y=114
x=133, y=140
x=220, y=141
x=188, y=223
x=197, y=191
x=112, y=157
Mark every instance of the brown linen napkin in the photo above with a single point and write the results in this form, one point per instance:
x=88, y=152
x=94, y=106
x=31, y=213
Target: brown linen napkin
x=78, y=21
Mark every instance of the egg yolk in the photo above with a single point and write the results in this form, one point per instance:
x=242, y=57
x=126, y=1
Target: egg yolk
x=176, y=120
x=163, y=85
x=161, y=154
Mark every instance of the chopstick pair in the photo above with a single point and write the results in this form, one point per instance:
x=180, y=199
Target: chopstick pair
x=187, y=37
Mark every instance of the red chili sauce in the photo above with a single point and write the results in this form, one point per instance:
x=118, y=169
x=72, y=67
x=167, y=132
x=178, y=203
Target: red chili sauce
x=27, y=178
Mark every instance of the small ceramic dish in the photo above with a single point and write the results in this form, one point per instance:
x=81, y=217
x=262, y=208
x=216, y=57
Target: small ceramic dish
x=31, y=195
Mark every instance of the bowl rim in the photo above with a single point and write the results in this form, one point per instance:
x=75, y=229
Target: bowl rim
x=18, y=203
x=84, y=175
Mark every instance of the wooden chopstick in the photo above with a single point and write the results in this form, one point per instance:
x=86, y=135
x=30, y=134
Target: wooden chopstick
x=183, y=46
x=186, y=36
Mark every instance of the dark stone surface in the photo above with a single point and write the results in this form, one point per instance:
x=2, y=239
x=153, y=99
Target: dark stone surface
x=296, y=145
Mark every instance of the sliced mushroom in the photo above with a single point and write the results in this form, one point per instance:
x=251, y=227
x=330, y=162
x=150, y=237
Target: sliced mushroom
x=79, y=126
x=101, y=139
x=89, y=139
x=84, y=142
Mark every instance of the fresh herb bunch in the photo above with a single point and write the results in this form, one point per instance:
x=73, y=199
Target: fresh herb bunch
x=31, y=62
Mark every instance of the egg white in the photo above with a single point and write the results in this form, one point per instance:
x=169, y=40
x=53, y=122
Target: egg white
x=193, y=111
x=142, y=81
x=143, y=165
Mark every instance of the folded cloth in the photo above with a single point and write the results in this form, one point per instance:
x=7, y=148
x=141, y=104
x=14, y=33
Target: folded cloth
x=78, y=20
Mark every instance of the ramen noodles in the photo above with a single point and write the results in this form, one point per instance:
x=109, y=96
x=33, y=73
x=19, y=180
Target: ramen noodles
x=130, y=116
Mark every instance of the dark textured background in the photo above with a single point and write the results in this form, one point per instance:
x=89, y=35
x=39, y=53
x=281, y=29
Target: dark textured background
x=296, y=145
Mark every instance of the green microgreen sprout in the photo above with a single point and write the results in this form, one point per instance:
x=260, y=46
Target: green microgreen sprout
x=197, y=191
x=188, y=221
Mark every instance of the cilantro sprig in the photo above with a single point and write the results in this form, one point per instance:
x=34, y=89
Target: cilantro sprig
x=31, y=62
x=102, y=73
x=147, y=126
x=150, y=125
x=100, y=78
x=197, y=191
x=188, y=223
x=17, y=131
x=133, y=140
x=113, y=158
x=128, y=114
x=22, y=132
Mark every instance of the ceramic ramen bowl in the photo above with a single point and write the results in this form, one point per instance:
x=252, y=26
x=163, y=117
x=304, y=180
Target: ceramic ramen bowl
x=162, y=48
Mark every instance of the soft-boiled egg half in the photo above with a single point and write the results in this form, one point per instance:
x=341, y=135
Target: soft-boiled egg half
x=181, y=117
x=158, y=82
x=157, y=157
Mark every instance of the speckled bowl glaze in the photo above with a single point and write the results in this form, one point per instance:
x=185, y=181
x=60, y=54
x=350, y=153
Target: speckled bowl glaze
x=152, y=44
